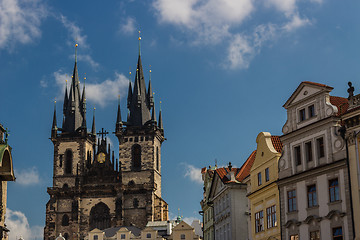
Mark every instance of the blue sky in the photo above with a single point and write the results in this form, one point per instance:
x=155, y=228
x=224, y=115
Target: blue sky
x=222, y=69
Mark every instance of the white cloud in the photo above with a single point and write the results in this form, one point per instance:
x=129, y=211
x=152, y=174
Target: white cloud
x=193, y=173
x=98, y=93
x=75, y=32
x=296, y=22
x=107, y=90
x=88, y=59
x=18, y=225
x=217, y=21
x=20, y=21
x=128, y=27
x=189, y=220
x=27, y=177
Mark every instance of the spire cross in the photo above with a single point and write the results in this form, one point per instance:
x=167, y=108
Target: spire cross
x=103, y=133
x=76, y=45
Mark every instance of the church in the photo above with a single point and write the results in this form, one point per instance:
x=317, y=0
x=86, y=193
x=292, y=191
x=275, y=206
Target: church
x=92, y=188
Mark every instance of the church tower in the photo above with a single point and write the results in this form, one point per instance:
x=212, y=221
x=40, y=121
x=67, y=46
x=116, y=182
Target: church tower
x=140, y=139
x=91, y=189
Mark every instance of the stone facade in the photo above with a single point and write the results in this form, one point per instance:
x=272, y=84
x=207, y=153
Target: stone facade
x=91, y=189
x=313, y=176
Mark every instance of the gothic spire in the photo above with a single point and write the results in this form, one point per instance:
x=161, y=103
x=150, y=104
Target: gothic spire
x=160, y=119
x=54, y=124
x=74, y=114
x=150, y=97
x=83, y=105
x=118, y=118
x=66, y=98
x=93, y=130
x=139, y=106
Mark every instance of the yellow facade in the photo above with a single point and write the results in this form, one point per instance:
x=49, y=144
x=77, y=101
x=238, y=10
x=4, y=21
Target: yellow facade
x=264, y=193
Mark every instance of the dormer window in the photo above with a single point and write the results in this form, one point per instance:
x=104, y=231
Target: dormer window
x=302, y=115
x=311, y=111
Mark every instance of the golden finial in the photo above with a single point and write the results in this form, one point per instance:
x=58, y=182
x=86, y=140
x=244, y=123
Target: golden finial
x=139, y=44
x=139, y=36
x=76, y=45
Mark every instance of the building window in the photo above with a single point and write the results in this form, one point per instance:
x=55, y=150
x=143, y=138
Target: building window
x=96, y=237
x=148, y=235
x=267, y=176
x=136, y=157
x=182, y=236
x=297, y=153
x=271, y=216
x=337, y=233
x=136, y=203
x=157, y=159
x=315, y=235
x=68, y=161
x=334, y=190
x=308, y=150
x=259, y=221
x=320, y=147
x=291, y=200
x=65, y=220
x=259, y=179
x=294, y=237
x=66, y=236
x=311, y=111
x=312, y=196
x=302, y=115
x=122, y=236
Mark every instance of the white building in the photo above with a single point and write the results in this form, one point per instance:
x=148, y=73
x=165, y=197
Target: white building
x=313, y=176
x=228, y=195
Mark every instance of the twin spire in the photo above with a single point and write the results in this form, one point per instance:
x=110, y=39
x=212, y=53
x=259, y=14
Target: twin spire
x=140, y=103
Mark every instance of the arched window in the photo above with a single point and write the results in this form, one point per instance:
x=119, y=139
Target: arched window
x=182, y=236
x=136, y=157
x=157, y=159
x=65, y=220
x=100, y=216
x=68, y=161
x=66, y=236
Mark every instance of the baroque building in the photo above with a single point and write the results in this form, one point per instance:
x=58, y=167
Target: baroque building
x=313, y=172
x=6, y=174
x=91, y=189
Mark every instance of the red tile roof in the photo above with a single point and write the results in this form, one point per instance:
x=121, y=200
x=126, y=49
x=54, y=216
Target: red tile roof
x=277, y=143
x=240, y=173
x=203, y=170
x=341, y=103
x=317, y=84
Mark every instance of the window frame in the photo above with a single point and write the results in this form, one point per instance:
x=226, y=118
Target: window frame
x=297, y=155
x=259, y=221
x=267, y=175
x=311, y=111
x=317, y=235
x=337, y=237
x=259, y=178
x=334, y=194
x=292, y=204
x=320, y=147
x=312, y=196
x=271, y=216
x=308, y=151
x=302, y=115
